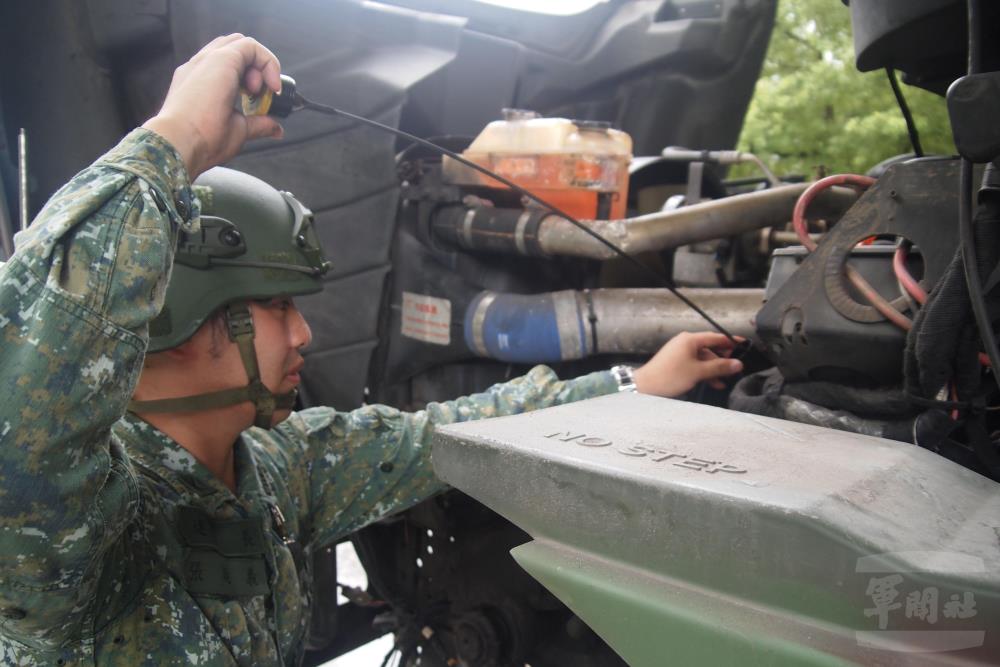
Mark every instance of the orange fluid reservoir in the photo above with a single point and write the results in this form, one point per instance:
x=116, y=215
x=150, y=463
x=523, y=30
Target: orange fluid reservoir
x=578, y=166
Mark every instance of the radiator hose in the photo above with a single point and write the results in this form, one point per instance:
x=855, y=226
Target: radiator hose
x=573, y=324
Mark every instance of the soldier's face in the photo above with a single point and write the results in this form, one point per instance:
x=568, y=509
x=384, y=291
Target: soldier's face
x=280, y=333
x=210, y=362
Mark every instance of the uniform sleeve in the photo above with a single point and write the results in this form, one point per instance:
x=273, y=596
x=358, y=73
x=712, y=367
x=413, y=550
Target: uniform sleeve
x=75, y=300
x=362, y=465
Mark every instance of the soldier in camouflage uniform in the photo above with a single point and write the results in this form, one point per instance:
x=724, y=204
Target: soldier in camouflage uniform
x=156, y=536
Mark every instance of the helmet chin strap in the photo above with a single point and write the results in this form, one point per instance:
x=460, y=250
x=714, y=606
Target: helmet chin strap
x=239, y=324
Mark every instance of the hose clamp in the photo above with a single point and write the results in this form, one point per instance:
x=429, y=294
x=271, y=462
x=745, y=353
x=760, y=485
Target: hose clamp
x=479, y=323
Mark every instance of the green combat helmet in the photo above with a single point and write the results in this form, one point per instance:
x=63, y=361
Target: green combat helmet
x=254, y=243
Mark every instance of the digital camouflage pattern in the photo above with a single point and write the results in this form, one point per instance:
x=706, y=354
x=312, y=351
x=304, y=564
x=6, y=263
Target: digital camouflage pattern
x=118, y=547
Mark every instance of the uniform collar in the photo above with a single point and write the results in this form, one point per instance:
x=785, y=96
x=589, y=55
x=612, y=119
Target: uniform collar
x=156, y=450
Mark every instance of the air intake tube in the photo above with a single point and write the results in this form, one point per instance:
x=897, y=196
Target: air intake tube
x=536, y=233
x=569, y=324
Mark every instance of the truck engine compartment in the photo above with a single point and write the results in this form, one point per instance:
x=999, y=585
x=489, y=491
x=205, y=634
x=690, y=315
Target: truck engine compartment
x=851, y=290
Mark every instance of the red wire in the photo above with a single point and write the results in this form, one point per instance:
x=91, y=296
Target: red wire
x=912, y=287
x=916, y=290
x=802, y=230
x=799, y=213
x=877, y=300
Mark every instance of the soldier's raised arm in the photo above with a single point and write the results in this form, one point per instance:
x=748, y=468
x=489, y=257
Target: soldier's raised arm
x=75, y=301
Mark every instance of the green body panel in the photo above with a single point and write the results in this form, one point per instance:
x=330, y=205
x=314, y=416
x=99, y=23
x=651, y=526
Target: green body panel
x=730, y=538
x=653, y=622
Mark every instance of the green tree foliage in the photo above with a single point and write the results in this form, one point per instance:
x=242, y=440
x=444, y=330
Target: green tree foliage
x=814, y=113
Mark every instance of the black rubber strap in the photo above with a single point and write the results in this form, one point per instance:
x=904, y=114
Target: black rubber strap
x=935, y=403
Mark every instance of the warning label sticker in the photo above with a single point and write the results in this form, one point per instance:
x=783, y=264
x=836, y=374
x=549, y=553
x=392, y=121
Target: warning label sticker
x=427, y=318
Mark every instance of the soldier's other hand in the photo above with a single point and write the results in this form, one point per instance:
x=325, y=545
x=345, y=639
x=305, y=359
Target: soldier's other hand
x=199, y=115
x=686, y=360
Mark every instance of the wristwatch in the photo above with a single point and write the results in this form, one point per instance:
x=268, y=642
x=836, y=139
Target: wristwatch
x=625, y=376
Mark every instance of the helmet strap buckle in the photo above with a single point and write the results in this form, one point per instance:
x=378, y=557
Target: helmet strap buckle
x=239, y=321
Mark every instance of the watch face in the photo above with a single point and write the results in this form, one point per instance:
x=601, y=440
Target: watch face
x=625, y=377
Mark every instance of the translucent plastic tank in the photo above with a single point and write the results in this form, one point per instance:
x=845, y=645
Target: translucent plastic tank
x=579, y=166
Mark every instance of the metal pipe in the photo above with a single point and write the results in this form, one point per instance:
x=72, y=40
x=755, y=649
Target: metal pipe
x=6, y=227
x=720, y=157
x=641, y=320
x=22, y=170
x=782, y=237
x=705, y=221
x=569, y=324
